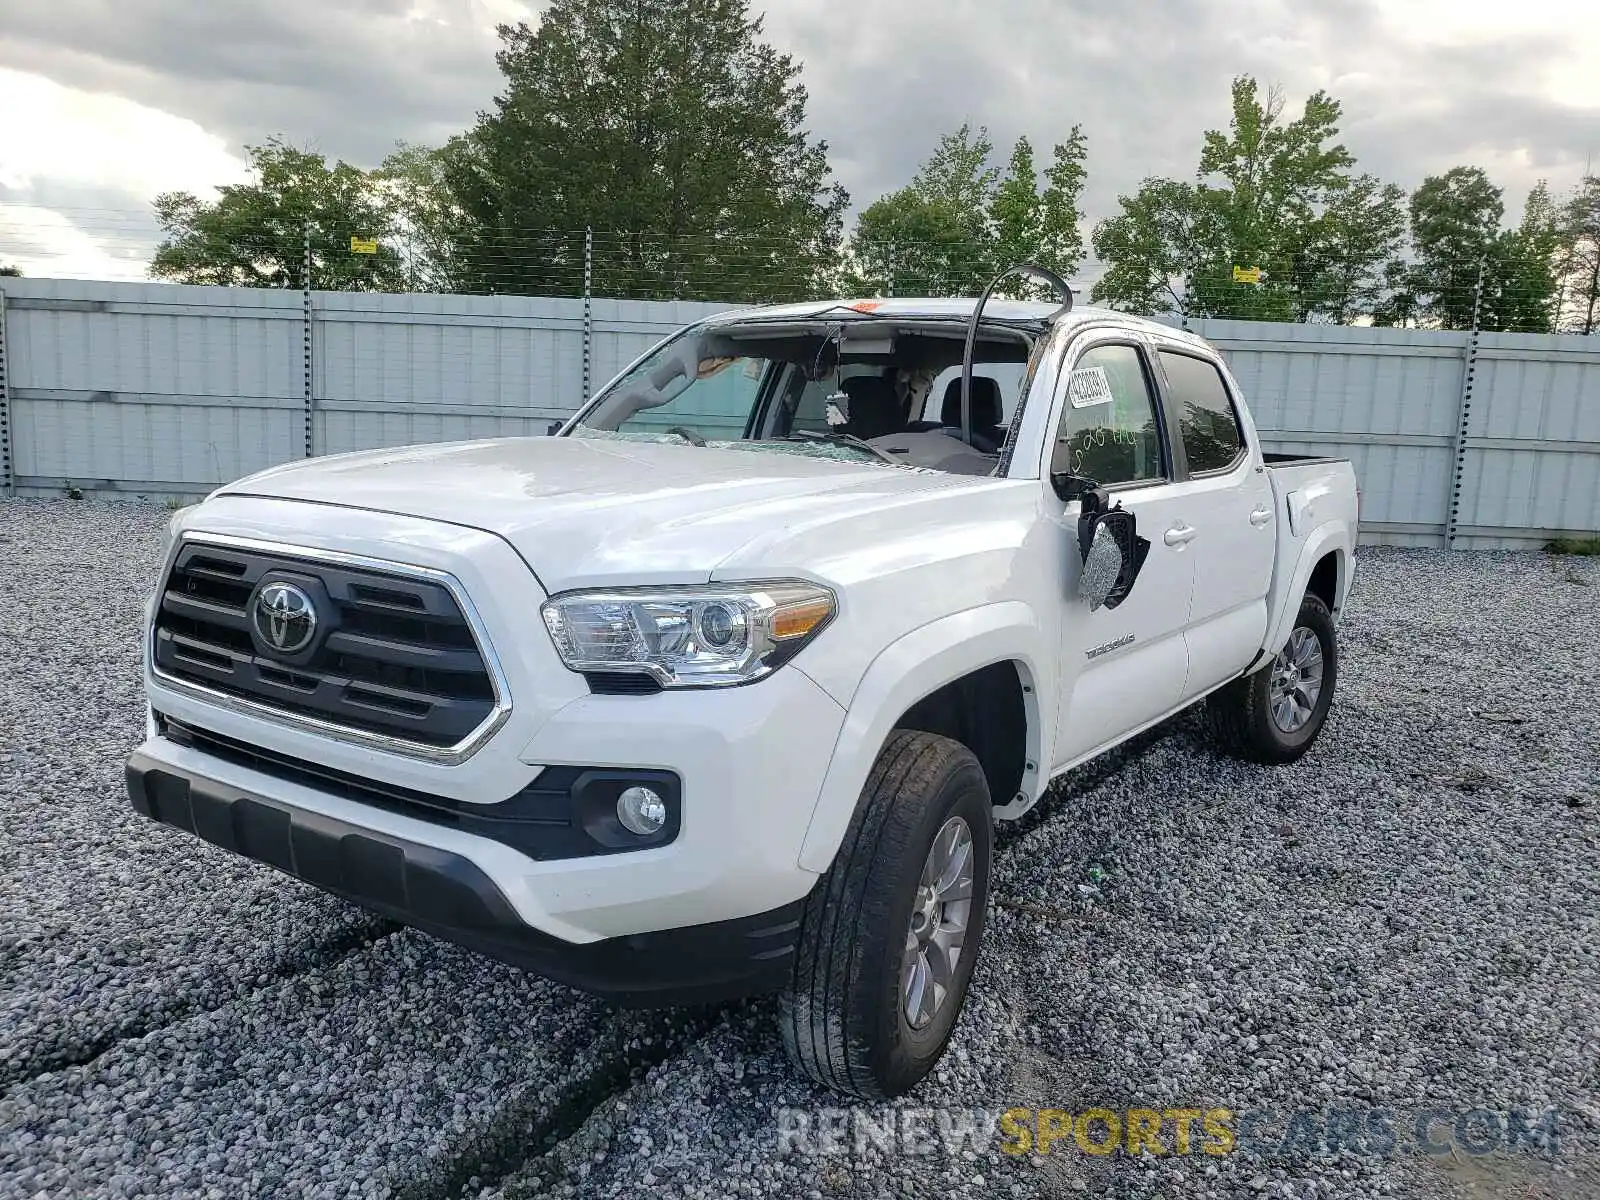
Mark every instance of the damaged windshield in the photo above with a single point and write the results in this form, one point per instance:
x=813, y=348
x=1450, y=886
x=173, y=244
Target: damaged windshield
x=884, y=392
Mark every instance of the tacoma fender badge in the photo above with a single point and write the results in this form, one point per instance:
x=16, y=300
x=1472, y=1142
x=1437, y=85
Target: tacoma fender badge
x=1097, y=651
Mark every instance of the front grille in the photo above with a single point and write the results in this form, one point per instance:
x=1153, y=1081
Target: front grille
x=391, y=654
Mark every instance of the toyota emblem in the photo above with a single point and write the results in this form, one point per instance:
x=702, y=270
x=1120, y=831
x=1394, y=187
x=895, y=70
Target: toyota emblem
x=285, y=617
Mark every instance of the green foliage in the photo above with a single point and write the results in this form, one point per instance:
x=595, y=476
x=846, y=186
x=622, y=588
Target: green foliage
x=671, y=129
x=930, y=237
x=1455, y=232
x=1521, y=275
x=1578, y=258
x=1345, y=268
x=1587, y=546
x=1270, y=193
x=6, y=269
x=1151, y=246
x=960, y=221
x=253, y=235
x=426, y=218
x=1455, y=221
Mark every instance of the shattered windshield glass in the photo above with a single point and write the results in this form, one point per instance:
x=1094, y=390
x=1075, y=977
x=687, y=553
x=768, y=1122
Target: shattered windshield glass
x=801, y=449
x=878, y=392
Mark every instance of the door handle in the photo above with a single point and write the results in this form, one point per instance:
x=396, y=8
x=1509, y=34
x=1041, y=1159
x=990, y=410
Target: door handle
x=1260, y=517
x=1179, y=535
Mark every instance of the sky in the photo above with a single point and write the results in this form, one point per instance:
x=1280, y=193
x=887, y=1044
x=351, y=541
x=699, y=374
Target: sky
x=105, y=103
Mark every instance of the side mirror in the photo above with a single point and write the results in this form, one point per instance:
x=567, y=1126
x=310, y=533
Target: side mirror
x=1071, y=487
x=1113, y=552
x=554, y=428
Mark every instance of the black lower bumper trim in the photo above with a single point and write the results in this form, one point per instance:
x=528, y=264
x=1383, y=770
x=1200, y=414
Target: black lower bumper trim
x=447, y=895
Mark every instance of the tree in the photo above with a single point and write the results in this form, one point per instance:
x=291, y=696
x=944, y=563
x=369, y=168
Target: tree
x=1520, y=275
x=932, y=236
x=1455, y=220
x=1151, y=247
x=7, y=269
x=673, y=131
x=426, y=218
x=1578, y=259
x=253, y=234
x=1030, y=225
x=1346, y=265
x=959, y=221
x=1269, y=193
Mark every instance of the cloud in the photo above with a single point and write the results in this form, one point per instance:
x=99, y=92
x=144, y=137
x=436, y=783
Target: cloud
x=1146, y=80
x=1426, y=85
x=351, y=76
x=77, y=173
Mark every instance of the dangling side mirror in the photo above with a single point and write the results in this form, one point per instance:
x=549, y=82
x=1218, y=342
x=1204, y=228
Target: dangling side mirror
x=1113, y=552
x=1070, y=487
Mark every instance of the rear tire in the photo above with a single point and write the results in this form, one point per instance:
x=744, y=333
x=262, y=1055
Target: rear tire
x=1271, y=716
x=844, y=1018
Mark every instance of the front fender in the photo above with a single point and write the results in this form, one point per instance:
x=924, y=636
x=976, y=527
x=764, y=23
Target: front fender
x=915, y=666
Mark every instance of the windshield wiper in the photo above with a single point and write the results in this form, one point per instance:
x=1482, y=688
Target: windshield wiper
x=843, y=439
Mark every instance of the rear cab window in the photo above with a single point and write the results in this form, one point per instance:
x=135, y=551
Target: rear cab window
x=1208, y=420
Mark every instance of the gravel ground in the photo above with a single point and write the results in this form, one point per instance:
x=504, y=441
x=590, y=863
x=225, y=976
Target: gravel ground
x=1407, y=919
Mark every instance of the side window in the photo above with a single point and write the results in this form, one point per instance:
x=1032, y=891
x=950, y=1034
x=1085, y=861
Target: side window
x=1108, y=427
x=1207, y=420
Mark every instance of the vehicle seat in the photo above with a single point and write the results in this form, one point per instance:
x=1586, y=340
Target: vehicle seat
x=874, y=409
x=986, y=410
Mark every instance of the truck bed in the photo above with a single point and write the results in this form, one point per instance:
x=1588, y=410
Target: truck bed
x=1274, y=461
x=1311, y=496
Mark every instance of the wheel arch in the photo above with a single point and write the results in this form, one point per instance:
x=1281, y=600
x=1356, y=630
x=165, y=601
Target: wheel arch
x=1331, y=542
x=934, y=678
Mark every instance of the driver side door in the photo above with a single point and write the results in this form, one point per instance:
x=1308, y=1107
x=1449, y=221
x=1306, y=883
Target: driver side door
x=1125, y=667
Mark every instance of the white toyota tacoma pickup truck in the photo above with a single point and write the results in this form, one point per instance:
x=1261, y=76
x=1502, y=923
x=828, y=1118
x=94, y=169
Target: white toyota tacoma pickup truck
x=720, y=690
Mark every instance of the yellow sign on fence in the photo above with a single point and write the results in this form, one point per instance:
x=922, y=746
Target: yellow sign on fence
x=1247, y=274
x=361, y=245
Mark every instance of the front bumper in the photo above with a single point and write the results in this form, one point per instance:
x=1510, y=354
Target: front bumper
x=448, y=895
x=751, y=760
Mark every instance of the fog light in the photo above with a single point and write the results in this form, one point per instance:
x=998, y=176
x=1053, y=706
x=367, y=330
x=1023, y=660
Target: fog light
x=642, y=811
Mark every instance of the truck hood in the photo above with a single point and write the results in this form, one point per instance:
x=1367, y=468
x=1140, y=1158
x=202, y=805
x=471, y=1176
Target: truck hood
x=585, y=512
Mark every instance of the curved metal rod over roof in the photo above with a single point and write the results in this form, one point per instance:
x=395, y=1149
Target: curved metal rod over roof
x=1033, y=271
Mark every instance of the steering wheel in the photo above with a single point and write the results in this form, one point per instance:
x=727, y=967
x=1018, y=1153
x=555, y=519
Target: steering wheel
x=688, y=435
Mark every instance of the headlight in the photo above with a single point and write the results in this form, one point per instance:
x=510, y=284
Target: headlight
x=711, y=636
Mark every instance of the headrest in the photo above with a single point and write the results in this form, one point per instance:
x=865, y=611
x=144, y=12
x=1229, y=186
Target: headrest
x=986, y=406
x=868, y=389
x=874, y=409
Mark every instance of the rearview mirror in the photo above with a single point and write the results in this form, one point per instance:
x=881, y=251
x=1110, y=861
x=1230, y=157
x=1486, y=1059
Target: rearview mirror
x=1113, y=552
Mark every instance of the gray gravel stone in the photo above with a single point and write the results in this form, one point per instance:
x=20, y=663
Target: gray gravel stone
x=113, y=924
x=1408, y=918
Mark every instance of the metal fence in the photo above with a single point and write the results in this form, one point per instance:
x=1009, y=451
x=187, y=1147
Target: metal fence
x=1485, y=440
x=1461, y=439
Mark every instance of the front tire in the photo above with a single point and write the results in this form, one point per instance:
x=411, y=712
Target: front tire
x=1274, y=714
x=891, y=932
